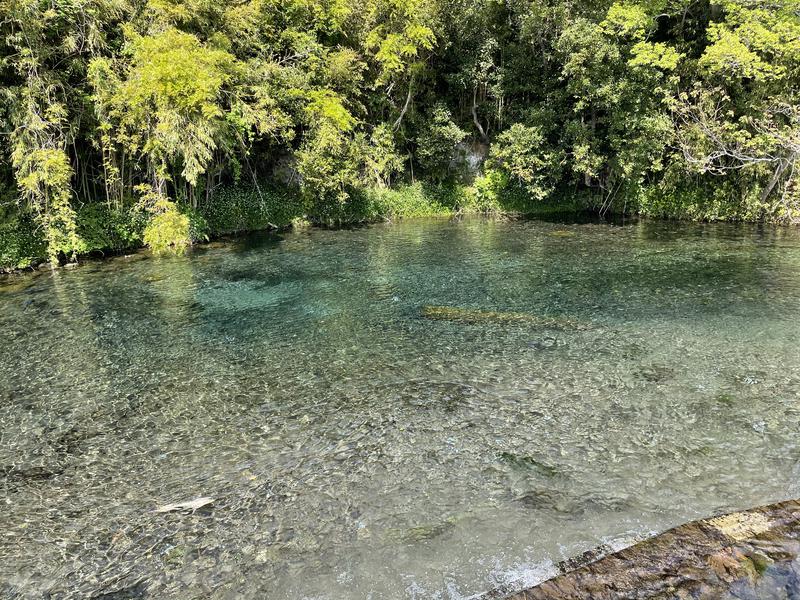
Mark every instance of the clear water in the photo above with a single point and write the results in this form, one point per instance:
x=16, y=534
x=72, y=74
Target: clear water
x=355, y=449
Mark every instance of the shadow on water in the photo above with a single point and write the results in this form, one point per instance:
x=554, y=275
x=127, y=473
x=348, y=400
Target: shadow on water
x=579, y=217
x=246, y=242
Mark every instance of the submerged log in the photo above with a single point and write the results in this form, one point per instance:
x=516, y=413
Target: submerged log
x=473, y=316
x=750, y=554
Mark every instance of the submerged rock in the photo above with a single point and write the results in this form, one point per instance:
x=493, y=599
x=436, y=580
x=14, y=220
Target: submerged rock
x=749, y=554
x=472, y=316
x=29, y=473
x=528, y=463
x=429, y=531
x=423, y=532
x=548, y=343
x=656, y=373
x=560, y=501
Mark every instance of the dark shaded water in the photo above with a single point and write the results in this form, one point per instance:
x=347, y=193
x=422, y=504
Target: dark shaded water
x=355, y=449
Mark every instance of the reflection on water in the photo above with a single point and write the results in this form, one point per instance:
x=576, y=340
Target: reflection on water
x=354, y=448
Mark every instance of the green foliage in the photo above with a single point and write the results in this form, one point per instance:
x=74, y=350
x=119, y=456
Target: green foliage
x=619, y=103
x=720, y=203
x=490, y=191
x=168, y=230
x=437, y=146
x=46, y=183
x=740, y=120
x=251, y=207
x=327, y=163
x=497, y=192
x=199, y=230
x=401, y=33
x=381, y=159
x=627, y=19
x=110, y=228
x=166, y=106
x=523, y=152
x=21, y=244
x=418, y=200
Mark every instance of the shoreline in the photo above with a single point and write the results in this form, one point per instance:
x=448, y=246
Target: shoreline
x=548, y=213
x=755, y=550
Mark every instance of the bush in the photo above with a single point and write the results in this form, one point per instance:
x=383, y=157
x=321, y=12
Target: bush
x=524, y=154
x=198, y=226
x=250, y=208
x=437, y=146
x=405, y=202
x=729, y=199
x=496, y=192
x=488, y=190
x=21, y=242
x=107, y=228
x=168, y=230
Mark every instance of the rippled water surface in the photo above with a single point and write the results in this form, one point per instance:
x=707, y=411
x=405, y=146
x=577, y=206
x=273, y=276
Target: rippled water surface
x=354, y=448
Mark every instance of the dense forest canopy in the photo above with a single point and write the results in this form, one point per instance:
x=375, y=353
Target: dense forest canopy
x=137, y=116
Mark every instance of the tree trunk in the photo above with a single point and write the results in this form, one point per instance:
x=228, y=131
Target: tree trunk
x=484, y=137
x=776, y=177
x=405, y=107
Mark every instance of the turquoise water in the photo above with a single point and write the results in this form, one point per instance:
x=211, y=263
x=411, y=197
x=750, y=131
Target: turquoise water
x=354, y=448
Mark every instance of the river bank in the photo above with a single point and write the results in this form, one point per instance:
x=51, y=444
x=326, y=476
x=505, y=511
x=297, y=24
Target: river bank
x=748, y=554
x=110, y=231
x=104, y=230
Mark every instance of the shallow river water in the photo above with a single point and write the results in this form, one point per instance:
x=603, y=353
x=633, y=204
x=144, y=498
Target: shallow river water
x=355, y=449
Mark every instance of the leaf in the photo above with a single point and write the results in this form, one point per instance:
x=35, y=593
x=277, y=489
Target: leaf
x=192, y=505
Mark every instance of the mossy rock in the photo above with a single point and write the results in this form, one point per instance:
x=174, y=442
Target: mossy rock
x=528, y=463
x=426, y=531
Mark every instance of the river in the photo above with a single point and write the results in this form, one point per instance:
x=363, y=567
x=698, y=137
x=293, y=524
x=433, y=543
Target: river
x=426, y=409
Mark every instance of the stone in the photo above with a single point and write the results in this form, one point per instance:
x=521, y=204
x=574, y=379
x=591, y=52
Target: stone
x=742, y=554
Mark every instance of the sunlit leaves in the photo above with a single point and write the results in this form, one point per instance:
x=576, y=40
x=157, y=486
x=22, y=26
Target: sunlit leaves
x=656, y=55
x=400, y=35
x=172, y=71
x=44, y=177
x=524, y=153
x=167, y=103
x=627, y=20
x=325, y=108
x=729, y=56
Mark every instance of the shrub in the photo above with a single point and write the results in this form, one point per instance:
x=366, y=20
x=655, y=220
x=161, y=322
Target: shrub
x=436, y=148
x=523, y=153
x=21, y=242
x=250, y=208
x=168, y=229
x=108, y=228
